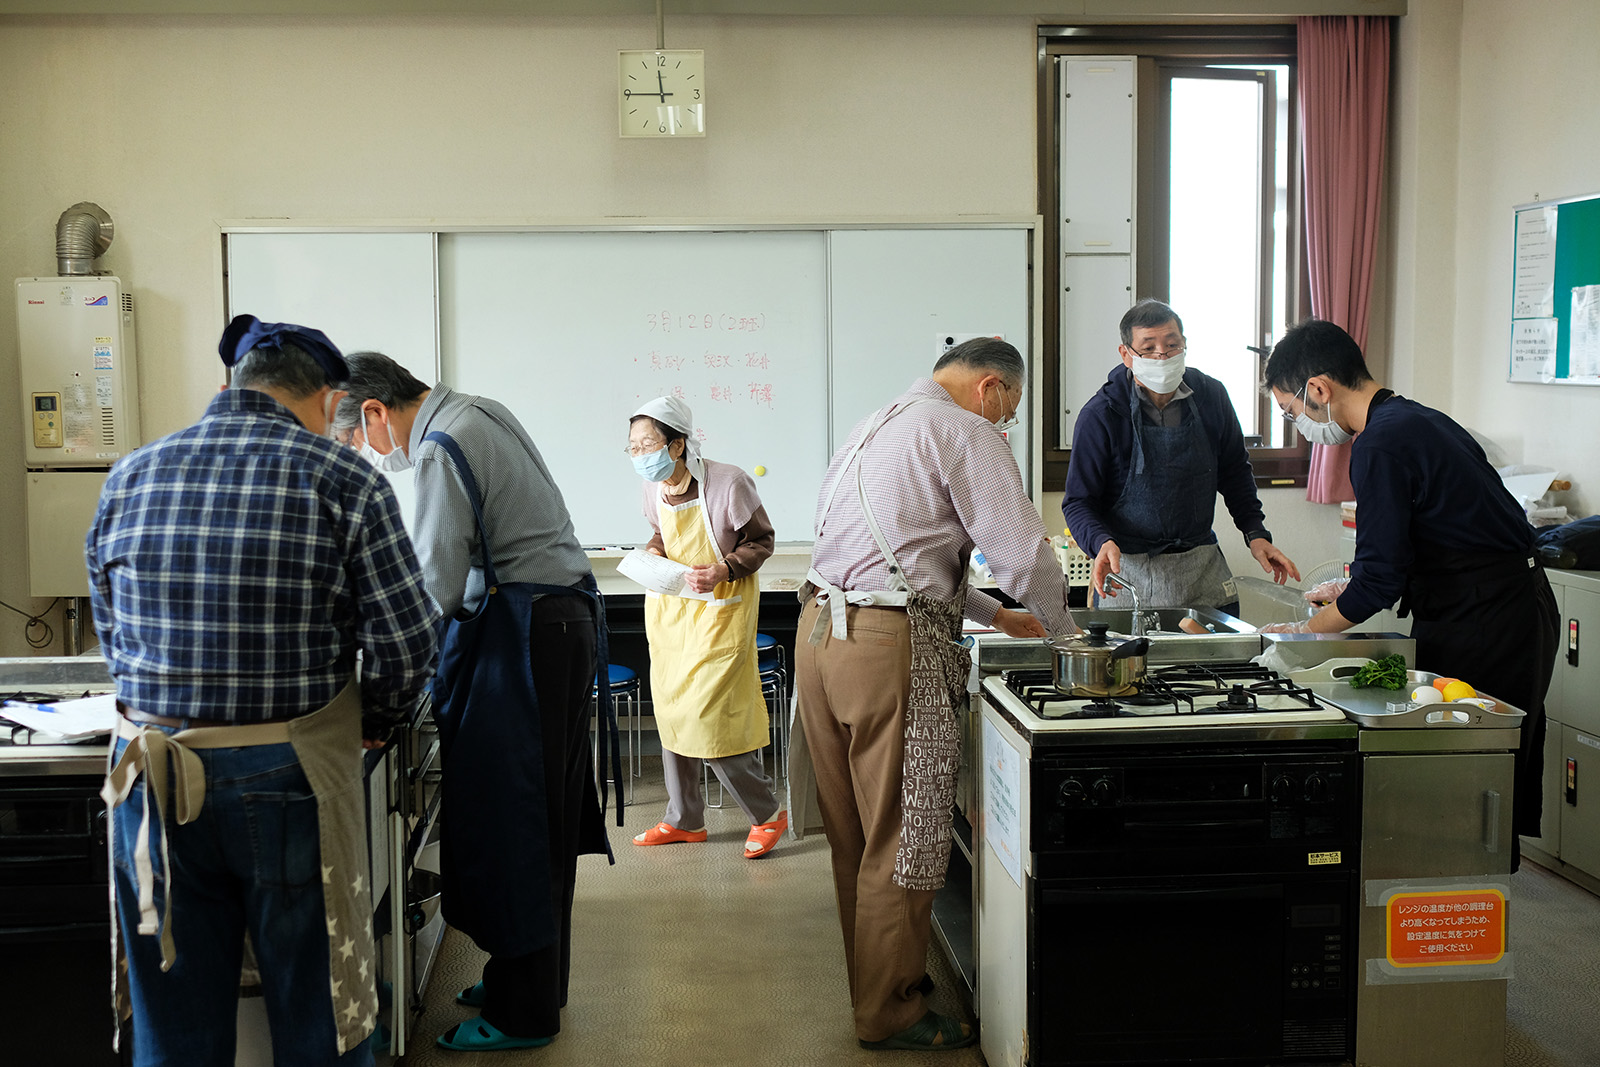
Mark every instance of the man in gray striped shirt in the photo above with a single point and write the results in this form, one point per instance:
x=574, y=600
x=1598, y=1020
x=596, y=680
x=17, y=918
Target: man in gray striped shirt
x=904, y=502
x=516, y=669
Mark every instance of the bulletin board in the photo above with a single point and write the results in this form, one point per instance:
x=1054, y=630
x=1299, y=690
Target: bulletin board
x=1555, y=292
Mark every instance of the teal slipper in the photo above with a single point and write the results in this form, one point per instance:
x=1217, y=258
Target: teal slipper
x=931, y=1033
x=476, y=1035
x=472, y=996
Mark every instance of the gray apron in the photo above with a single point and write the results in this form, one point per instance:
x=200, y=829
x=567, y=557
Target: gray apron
x=1162, y=519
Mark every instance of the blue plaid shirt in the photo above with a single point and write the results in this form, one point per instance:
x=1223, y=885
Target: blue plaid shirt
x=236, y=566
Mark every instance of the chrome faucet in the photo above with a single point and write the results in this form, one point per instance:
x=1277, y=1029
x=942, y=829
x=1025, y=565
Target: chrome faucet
x=1137, y=626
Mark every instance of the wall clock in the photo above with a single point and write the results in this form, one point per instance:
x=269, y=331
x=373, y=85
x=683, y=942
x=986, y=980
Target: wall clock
x=661, y=93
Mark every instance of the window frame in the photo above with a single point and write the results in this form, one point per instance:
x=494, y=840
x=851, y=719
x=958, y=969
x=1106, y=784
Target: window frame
x=1156, y=46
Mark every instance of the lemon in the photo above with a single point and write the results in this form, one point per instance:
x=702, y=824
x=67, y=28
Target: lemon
x=1440, y=683
x=1458, y=689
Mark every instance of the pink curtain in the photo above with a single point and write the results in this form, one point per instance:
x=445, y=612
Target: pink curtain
x=1344, y=122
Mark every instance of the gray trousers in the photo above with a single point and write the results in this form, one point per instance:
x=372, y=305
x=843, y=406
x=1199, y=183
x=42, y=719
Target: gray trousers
x=744, y=776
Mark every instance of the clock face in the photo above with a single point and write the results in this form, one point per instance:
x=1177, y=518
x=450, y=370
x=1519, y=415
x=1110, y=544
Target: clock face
x=661, y=93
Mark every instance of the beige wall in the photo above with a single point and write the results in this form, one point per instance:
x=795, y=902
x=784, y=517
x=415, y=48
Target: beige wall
x=175, y=124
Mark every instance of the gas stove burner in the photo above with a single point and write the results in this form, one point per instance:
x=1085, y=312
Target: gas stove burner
x=1098, y=709
x=1239, y=699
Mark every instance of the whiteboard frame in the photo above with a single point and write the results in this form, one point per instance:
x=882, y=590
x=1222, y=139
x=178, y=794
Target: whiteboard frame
x=1032, y=225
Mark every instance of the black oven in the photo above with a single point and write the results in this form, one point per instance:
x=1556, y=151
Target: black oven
x=1194, y=904
x=55, y=961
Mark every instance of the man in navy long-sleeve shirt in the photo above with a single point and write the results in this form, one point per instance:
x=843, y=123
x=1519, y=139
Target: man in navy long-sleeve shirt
x=1437, y=529
x=1150, y=452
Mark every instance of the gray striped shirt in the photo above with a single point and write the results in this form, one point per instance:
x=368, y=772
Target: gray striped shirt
x=941, y=480
x=530, y=533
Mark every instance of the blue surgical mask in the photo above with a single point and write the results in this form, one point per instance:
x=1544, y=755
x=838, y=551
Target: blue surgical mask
x=655, y=466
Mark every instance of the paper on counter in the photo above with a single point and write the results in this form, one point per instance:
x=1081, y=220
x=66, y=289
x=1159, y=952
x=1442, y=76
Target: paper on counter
x=656, y=573
x=71, y=720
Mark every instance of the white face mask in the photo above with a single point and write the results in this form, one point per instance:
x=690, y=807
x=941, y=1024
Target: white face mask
x=1159, y=375
x=1320, y=433
x=393, y=463
x=1006, y=421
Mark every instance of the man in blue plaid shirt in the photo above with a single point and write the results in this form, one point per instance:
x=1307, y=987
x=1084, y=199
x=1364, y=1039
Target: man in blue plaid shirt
x=236, y=569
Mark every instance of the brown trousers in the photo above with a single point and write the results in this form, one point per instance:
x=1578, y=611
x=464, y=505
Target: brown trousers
x=852, y=705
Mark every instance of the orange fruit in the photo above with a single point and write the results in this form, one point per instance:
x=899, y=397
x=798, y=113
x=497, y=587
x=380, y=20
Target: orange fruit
x=1440, y=683
x=1458, y=689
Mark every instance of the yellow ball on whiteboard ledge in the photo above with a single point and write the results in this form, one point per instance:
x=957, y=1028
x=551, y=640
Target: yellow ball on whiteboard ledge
x=761, y=472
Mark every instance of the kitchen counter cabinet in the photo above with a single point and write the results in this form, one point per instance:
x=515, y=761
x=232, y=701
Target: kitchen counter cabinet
x=1570, y=841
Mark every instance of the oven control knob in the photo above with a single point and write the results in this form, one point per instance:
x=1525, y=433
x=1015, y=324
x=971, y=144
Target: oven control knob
x=1316, y=788
x=1104, y=790
x=1283, y=789
x=1073, y=792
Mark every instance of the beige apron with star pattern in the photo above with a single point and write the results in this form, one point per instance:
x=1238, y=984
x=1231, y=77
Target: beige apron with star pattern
x=327, y=743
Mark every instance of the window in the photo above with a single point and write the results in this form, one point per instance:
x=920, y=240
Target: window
x=1215, y=227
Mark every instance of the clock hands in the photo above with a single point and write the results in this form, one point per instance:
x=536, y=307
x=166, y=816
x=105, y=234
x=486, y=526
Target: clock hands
x=661, y=90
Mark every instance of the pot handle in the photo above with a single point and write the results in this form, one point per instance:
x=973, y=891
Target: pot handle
x=1137, y=647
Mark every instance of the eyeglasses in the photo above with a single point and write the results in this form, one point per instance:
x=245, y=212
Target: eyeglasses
x=1158, y=353
x=644, y=448
x=1289, y=416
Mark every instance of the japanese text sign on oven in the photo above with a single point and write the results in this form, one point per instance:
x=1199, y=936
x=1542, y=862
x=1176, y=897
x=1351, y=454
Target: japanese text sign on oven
x=1446, y=929
x=1440, y=929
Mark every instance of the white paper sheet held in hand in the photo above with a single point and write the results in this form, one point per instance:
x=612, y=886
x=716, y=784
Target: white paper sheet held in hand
x=656, y=573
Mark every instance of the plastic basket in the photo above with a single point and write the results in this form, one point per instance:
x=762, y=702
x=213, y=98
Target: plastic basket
x=1078, y=567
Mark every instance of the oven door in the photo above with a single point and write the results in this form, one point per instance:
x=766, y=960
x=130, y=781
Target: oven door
x=1198, y=970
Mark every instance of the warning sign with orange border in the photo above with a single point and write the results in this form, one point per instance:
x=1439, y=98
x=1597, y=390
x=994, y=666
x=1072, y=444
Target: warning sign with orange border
x=1446, y=928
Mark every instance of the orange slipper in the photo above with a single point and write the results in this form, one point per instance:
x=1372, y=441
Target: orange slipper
x=764, y=838
x=667, y=834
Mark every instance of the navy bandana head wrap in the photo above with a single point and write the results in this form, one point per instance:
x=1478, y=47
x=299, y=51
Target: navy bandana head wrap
x=246, y=332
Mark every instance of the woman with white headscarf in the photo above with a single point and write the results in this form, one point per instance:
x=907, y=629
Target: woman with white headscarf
x=703, y=675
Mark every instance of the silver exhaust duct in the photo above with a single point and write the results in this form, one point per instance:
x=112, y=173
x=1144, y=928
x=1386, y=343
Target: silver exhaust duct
x=83, y=233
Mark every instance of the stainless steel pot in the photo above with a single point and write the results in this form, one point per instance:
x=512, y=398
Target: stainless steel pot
x=1093, y=665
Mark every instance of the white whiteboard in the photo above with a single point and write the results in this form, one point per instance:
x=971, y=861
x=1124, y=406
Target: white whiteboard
x=574, y=331
x=366, y=291
x=897, y=295
x=780, y=339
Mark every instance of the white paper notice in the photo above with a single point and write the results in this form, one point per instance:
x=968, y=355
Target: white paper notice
x=1533, y=292
x=656, y=573
x=1533, y=350
x=71, y=720
x=1583, y=347
x=1002, y=801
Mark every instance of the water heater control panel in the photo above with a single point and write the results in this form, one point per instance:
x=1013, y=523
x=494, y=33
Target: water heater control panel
x=46, y=420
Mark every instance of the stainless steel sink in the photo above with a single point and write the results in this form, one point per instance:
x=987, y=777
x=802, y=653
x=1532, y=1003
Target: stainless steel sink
x=1168, y=644
x=1120, y=620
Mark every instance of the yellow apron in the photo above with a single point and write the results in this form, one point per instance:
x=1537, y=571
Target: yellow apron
x=703, y=673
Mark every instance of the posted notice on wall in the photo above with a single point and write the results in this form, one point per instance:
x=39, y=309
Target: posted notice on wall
x=1533, y=294
x=1583, y=346
x=1002, y=801
x=1533, y=350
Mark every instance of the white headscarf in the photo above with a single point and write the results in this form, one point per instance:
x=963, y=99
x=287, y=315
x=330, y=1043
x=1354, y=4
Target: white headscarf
x=672, y=412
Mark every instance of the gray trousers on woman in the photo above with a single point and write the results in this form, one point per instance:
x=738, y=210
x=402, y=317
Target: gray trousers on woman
x=744, y=776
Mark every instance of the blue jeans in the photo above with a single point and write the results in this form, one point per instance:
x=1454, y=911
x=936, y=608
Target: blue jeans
x=250, y=861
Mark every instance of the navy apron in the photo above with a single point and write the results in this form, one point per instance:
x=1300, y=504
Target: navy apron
x=494, y=840
x=1490, y=619
x=1165, y=510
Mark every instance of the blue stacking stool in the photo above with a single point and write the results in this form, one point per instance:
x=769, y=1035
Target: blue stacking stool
x=625, y=694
